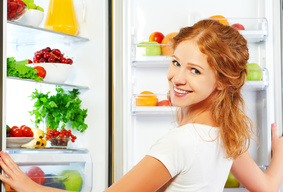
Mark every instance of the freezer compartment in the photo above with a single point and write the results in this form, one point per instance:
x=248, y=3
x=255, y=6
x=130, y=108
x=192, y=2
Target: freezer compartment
x=63, y=169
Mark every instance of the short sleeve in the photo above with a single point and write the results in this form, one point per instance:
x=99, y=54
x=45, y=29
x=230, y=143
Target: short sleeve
x=175, y=150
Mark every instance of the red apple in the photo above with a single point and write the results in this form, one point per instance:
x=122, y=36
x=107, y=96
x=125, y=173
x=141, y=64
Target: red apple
x=164, y=103
x=238, y=26
x=156, y=36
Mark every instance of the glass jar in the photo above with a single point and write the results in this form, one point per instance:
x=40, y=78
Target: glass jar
x=61, y=17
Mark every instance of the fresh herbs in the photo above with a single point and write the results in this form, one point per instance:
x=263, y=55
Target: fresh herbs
x=19, y=69
x=59, y=109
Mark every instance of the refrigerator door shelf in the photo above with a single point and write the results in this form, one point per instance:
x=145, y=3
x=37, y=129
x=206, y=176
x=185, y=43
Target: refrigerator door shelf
x=24, y=34
x=154, y=110
x=254, y=36
x=151, y=61
x=64, y=85
x=258, y=85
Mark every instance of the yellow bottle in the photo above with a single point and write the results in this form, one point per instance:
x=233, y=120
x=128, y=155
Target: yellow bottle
x=61, y=17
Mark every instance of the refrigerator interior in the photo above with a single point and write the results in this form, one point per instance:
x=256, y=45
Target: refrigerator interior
x=89, y=50
x=144, y=125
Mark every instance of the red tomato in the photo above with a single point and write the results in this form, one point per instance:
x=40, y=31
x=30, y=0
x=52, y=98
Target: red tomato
x=26, y=131
x=156, y=36
x=16, y=131
x=41, y=72
x=22, y=126
x=36, y=174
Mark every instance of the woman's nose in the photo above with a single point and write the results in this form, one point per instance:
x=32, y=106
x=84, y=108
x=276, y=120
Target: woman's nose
x=179, y=78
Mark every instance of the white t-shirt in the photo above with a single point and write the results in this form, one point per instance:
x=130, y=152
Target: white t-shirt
x=195, y=158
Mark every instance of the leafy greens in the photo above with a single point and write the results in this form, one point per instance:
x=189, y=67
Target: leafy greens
x=59, y=109
x=19, y=69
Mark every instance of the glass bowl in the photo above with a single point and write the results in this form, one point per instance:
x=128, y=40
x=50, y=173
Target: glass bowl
x=61, y=142
x=15, y=11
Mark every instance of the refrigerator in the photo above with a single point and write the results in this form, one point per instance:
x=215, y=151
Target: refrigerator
x=136, y=128
x=89, y=49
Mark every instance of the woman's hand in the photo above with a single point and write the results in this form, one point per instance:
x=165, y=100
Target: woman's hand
x=277, y=142
x=15, y=177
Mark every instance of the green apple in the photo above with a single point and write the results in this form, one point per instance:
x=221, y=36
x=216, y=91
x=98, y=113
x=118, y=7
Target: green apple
x=254, y=72
x=232, y=182
x=148, y=48
x=72, y=180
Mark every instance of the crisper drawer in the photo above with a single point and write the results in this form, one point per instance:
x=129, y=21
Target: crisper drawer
x=64, y=169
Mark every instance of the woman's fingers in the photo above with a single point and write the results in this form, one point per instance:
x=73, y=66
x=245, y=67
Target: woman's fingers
x=9, y=161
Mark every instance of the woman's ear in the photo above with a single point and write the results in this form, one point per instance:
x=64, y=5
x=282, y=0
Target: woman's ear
x=220, y=86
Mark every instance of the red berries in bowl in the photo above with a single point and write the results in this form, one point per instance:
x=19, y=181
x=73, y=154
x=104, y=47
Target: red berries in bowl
x=60, y=138
x=48, y=55
x=15, y=9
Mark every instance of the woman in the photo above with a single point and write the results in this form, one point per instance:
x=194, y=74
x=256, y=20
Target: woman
x=206, y=75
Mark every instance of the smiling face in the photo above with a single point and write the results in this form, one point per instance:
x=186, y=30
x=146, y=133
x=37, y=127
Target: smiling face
x=192, y=81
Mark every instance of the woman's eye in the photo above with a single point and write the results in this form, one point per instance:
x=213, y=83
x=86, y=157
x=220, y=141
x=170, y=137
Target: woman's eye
x=176, y=63
x=195, y=71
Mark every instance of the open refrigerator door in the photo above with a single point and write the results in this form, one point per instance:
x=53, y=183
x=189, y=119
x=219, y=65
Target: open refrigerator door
x=145, y=65
x=75, y=160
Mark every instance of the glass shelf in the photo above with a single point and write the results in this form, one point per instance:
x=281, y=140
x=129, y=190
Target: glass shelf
x=154, y=110
x=255, y=85
x=49, y=83
x=45, y=150
x=28, y=35
x=151, y=61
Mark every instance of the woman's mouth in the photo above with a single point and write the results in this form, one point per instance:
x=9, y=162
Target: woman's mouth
x=180, y=92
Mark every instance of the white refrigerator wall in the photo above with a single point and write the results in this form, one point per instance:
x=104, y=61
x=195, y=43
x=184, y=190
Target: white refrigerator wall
x=90, y=70
x=141, y=18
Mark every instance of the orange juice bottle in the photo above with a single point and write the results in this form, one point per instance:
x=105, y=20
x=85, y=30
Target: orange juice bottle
x=61, y=17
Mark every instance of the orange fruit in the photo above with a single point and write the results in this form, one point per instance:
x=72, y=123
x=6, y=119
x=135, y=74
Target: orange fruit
x=166, y=49
x=146, y=98
x=220, y=18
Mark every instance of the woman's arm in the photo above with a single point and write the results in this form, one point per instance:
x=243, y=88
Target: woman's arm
x=17, y=179
x=147, y=176
x=250, y=175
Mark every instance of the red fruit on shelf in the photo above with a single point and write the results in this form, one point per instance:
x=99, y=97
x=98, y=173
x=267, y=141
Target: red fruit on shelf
x=164, y=103
x=42, y=60
x=156, y=36
x=41, y=72
x=64, y=60
x=37, y=55
x=20, y=9
x=16, y=131
x=57, y=52
x=12, y=14
x=29, y=61
x=35, y=60
x=36, y=174
x=51, y=59
x=43, y=51
x=21, y=2
x=14, y=5
x=69, y=61
x=26, y=131
x=238, y=26
x=46, y=55
x=48, y=49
